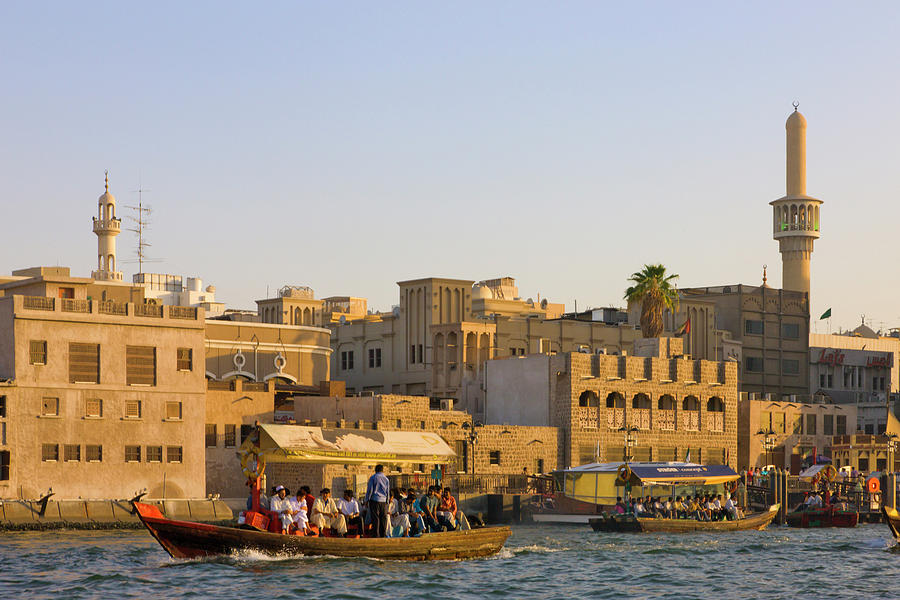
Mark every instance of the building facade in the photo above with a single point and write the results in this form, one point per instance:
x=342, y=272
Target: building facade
x=677, y=408
x=99, y=399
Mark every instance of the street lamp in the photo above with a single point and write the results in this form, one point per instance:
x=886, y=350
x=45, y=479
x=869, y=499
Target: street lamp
x=630, y=442
x=768, y=442
x=472, y=437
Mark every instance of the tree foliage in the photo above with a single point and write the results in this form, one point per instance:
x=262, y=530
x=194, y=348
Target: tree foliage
x=656, y=292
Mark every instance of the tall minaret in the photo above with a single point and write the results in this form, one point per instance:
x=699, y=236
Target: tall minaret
x=107, y=227
x=796, y=215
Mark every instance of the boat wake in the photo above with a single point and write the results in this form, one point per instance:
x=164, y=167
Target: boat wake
x=511, y=552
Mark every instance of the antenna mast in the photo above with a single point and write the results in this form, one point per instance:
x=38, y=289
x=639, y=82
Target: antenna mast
x=142, y=222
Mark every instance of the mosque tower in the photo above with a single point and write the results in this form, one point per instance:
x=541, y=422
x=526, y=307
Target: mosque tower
x=796, y=215
x=107, y=227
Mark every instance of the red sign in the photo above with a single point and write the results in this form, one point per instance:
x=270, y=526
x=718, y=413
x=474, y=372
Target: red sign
x=831, y=357
x=882, y=362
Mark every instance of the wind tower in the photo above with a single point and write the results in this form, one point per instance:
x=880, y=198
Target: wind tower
x=796, y=215
x=107, y=227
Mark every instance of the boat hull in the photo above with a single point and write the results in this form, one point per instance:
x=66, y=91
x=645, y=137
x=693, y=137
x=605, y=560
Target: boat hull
x=822, y=517
x=758, y=521
x=186, y=539
x=892, y=518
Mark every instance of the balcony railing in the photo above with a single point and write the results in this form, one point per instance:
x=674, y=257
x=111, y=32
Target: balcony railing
x=148, y=310
x=691, y=420
x=666, y=420
x=76, y=306
x=183, y=312
x=38, y=303
x=109, y=307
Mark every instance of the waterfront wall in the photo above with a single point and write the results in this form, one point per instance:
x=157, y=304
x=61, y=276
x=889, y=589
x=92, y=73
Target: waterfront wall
x=103, y=514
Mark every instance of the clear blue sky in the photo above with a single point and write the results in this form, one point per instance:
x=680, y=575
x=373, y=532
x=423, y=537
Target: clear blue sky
x=347, y=146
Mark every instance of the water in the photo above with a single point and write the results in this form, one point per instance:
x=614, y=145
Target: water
x=537, y=562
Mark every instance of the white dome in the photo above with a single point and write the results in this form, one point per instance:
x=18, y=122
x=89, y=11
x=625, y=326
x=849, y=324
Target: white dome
x=482, y=292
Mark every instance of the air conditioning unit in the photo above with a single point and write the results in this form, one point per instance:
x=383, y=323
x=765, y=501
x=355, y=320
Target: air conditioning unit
x=446, y=403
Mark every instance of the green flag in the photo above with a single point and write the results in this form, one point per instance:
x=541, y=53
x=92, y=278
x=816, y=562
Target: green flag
x=826, y=315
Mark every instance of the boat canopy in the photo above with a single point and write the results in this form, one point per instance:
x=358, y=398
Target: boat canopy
x=665, y=473
x=300, y=444
x=826, y=471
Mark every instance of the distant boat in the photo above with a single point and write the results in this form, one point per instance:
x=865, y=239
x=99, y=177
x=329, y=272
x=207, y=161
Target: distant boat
x=826, y=516
x=630, y=523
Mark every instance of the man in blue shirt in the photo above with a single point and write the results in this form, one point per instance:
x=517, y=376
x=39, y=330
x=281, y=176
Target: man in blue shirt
x=377, y=493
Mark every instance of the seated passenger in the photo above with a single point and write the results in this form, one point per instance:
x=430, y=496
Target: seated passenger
x=416, y=522
x=680, y=508
x=427, y=507
x=326, y=514
x=669, y=508
x=640, y=510
x=349, y=507
x=732, y=509
x=399, y=518
x=658, y=508
x=619, y=507
x=300, y=525
x=281, y=506
x=448, y=509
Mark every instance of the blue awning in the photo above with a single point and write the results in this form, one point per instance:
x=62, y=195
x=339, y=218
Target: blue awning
x=681, y=473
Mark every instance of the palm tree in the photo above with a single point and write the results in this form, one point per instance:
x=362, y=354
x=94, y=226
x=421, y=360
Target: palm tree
x=654, y=290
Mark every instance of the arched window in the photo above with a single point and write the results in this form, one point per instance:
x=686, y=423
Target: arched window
x=690, y=408
x=665, y=416
x=640, y=413
x=715, y=414
x=641, y=401
x=588, y=398
x=615, y=410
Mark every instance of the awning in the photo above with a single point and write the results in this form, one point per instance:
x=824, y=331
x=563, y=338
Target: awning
x=822, y=471
x=683, y=473
x=300, y=444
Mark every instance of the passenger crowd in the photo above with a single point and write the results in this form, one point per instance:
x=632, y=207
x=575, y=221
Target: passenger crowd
x=709, y=507
x=384, y=512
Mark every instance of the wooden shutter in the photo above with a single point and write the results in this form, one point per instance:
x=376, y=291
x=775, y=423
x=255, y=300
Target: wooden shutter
x=84, y=363
x=140, y=365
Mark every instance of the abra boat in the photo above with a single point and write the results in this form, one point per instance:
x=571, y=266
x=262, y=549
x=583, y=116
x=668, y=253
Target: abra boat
x=892, y=518
x=827, y=516
x=299, y=444
x=186, y=539
x=630, y=523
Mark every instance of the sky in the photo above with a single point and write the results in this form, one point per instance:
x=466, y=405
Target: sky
x=350, y=145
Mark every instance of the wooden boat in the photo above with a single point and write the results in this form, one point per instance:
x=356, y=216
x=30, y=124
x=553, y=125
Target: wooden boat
x=892, y=518
x=826, y=516
x=630, y=523
x=186, y=539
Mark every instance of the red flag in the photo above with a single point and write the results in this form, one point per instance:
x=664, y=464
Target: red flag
x=685, y=328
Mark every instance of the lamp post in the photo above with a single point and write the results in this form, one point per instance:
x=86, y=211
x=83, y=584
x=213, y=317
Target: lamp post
x=630, y=440
x=768, y=441
x=472, y=438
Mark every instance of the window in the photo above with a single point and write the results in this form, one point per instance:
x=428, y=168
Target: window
x=842, y=425
x=93, y=453
x=790, y=331
x=4, y=465
x=2, y=407
x=347, y=360
x=50, y=407
x=420, y=355
x=374, y=358
x=828, y=425
x=93, y=408
x=173, y=411
x=495, y=457
x=50, y=452
x=246, y=430
x=132, y=409
x=84, y=363
x=790, y=366
x=38, y=352
x=586, y=454
x=133, y=454
x=753, y=327
x=412, y=353
x=211, y=435
x=539, y=465
x=230, y=436
x=810, y=425
x=72, y=453
x=753, y=364
x=154, y=454
x=140, y=365
x=173, y=454
x=185, y=359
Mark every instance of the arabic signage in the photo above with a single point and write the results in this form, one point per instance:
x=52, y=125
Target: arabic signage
x=836, y=357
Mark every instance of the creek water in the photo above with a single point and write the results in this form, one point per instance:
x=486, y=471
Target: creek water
x=538, y=562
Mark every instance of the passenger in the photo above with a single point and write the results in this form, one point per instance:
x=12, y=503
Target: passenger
x=326, y=514
x=427, y=507
x=398, y=516
x=310, y=499
x=640, y=510
x=733, y=509
x=669, y=508
x=281, y=506
x=680, y=508
x=619, y=508
x=349, y=507
x=376, y=500
x=658, y=508
x=702, y=512
x=301, y=521
x=416, y=522
x=720, y=508
x=447, y=509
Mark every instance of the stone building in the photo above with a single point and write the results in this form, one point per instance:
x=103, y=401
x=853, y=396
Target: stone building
x=437, y=340
x=98, y=399
x=863, y=452
x=794, y=430
x=676, y=406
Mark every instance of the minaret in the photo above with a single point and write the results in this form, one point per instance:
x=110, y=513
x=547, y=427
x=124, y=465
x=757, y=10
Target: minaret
x=107, y=227
x=796, y=215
